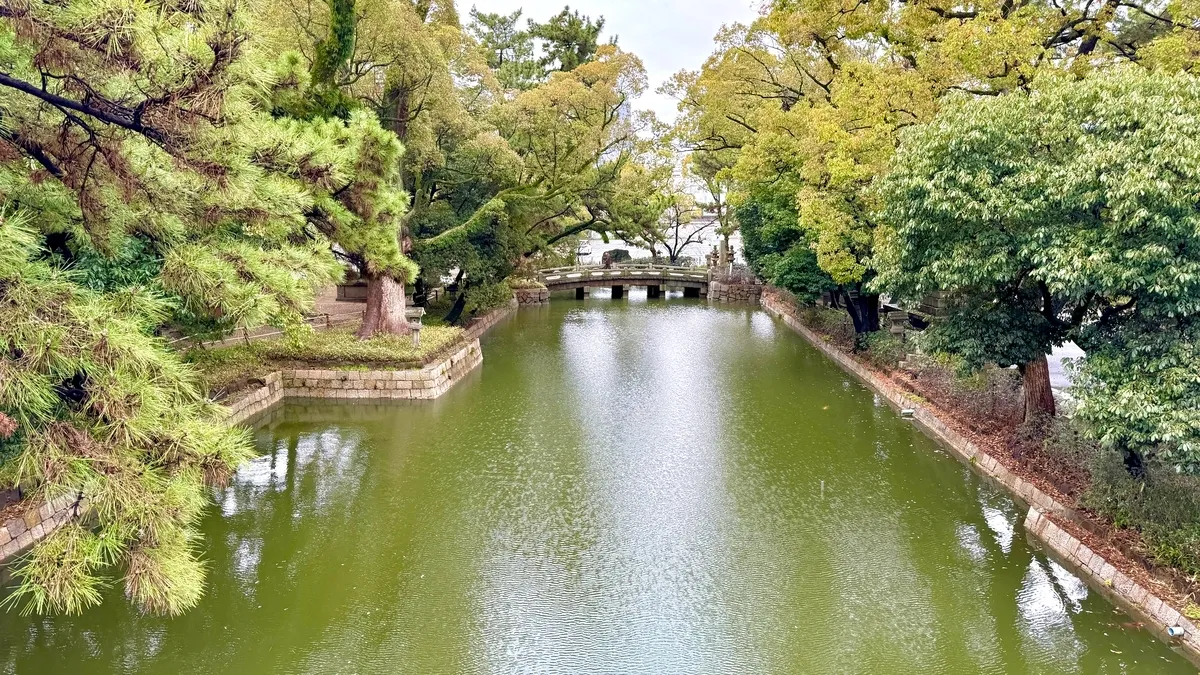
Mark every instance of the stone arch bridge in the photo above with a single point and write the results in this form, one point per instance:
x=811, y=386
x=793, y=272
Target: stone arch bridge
x=656, y=278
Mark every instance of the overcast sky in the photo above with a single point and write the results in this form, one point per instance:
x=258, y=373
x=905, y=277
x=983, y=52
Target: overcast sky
x=668, y=35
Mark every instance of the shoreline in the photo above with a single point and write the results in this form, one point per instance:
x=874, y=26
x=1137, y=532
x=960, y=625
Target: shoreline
x=1047, y=521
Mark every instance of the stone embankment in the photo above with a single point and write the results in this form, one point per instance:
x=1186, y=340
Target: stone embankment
x=427, y=382
x=721, y=291
x=532, y=296
x=1158, y=616
x=24, y=531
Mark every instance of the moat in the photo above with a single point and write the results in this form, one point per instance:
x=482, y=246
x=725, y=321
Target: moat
x=625, y=486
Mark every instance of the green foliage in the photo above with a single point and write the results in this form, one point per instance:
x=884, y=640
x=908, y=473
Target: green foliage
x=105, y=412
x=334, y=51
x=481, y=298
x=1065, y=213
x=778, y=250
x=1163, y=506
x=1139, y=388
x=508, y=49
x=884, y=350
x=833, y=324
x=569, y=39
x=521, y=283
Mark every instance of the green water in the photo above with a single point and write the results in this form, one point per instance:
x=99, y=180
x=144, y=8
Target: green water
x=623, y=487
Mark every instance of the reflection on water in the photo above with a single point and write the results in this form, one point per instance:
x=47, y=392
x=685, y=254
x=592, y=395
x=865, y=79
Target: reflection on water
x=625, y=487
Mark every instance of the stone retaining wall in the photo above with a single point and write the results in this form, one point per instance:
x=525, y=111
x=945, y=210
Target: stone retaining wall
x=745, y=293
x=20, y=533
x=258, y=400
x=1113, y=584
x=1021, y=490
x=429, y=382
x=532, y=296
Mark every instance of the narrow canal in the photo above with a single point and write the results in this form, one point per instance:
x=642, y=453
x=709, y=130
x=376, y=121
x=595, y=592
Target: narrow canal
x=624, y=487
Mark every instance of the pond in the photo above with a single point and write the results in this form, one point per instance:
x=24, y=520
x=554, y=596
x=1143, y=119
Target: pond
x=624, y=486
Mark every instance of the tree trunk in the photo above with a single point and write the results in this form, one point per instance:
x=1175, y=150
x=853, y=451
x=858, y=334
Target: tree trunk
x=385, y=308
x=1039, y=397
x=863, y=309
x=456, y=311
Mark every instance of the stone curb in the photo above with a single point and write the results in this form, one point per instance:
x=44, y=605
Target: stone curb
x=1133, y=598
x=1110, y=582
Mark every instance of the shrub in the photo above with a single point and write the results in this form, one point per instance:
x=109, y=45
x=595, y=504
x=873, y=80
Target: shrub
x=1163, y=505
x=884, y=350
x=490, y=296
x=989, y=399
x=833, y=323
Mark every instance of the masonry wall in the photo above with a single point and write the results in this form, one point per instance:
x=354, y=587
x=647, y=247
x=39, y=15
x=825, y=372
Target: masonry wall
x=18, y=534
x=1113, y=584
x=429, y=382
x=744, y=293
x=532, y=296
x=1098, y=573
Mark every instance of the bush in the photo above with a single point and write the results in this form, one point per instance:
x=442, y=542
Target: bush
x=989, y=399
x=832, y=323
x=1163, y=505
x=884, y=350
x=483, y=298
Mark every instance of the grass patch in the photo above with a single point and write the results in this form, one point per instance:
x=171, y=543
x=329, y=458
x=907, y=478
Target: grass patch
x=227, y=369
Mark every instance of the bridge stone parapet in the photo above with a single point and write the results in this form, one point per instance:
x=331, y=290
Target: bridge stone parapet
x=653, y=277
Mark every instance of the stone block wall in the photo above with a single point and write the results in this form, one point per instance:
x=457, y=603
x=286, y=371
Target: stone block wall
x=532, y=296
x=257, y=401
x=719, y=291
x=429, y=382
x=481, y=324
x=34, y=525
x=1133, y=598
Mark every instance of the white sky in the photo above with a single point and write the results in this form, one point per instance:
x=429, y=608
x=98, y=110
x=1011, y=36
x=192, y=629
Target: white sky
x=668, y=35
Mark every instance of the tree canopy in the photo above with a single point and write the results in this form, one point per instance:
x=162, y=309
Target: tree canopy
x=1064, y=213
x=816, y=94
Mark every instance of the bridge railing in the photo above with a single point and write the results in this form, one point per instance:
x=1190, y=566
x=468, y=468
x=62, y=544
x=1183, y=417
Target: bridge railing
x=563, y=274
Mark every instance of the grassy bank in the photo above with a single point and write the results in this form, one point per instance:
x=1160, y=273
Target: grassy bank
x=227, y=370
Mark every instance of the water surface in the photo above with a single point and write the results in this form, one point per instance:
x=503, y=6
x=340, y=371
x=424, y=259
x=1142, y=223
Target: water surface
x=623, y=487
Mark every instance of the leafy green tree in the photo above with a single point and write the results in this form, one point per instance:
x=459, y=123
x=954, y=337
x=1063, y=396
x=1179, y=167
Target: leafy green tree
x=321, y=90
x=569, y=39
x=778, y=249
x=818, y=93
x=139, y=188
x=509, y=50
x=1064, y=213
